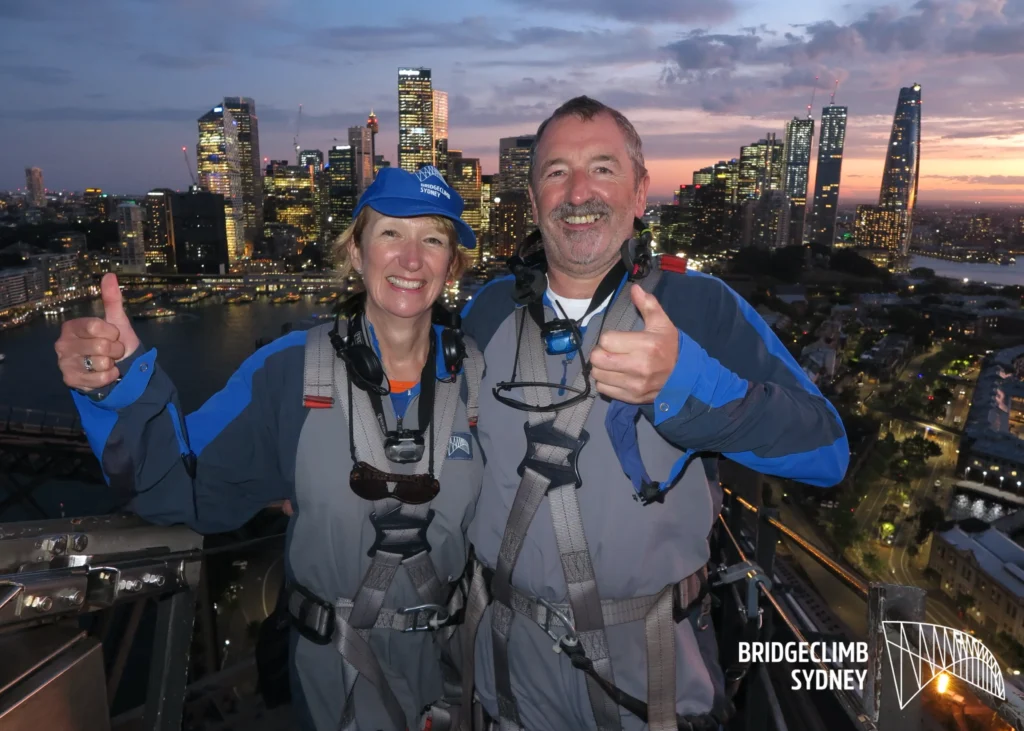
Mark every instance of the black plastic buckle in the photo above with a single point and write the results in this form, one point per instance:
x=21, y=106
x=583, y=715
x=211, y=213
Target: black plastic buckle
x=650, y=492
x=396, y=521
x=302, y=624
x=544, y=434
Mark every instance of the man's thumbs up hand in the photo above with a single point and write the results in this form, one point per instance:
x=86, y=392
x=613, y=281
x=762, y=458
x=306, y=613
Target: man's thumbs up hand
x=634, y=366
x=89, y=347
x=114, y=314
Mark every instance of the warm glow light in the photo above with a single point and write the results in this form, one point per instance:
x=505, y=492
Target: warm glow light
x=942, y=684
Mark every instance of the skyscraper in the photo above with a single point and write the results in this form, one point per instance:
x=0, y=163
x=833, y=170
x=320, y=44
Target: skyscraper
x=514, y=163
x=243, y=110
x=132, y=238
x=220, y=172
x=159, y=231
x=415, y=119
x=361, y=140
x=826, y=183
x=903, y=162
x=34, y=185
x=796, y=155
x=464, y=177
x=312, y=157
x=760, y=167
x=374, y=126
x=341, y=189
x=440, y=103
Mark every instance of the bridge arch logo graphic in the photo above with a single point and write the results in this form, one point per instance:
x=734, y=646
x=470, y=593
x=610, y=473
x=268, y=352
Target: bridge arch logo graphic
x=926, y=650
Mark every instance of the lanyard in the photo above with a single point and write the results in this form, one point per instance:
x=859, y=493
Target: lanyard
x=428, y=382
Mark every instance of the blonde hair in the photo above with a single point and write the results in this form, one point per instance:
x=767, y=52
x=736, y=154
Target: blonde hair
x=342, y=247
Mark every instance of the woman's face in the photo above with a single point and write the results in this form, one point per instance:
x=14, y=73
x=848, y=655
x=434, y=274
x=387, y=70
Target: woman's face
x=404, y=263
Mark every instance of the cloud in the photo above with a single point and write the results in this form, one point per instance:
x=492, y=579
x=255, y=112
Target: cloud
x=180, y=62
x=46, y=75
x=642, y=11
x=1015, y=180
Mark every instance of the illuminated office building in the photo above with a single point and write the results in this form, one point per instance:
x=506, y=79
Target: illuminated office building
x=374, y=126
x=292, y=200
x=903, y=162
x=340, y=175
x=464, y=177
x=796, y=155
x=831, y=142
x=159, y=228
x=34, y=187
x=218, y=162
x=514, y=163
x=243, y=111
x=415, y=119
x=440, y=103
x=361, y=140
x=312, y=157
x=760, y=167
x=132, y=238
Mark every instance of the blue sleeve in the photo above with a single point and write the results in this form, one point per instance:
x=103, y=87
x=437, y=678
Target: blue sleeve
x=214, y=469
x=737, y=391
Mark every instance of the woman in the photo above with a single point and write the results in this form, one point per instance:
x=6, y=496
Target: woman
x=363, y=425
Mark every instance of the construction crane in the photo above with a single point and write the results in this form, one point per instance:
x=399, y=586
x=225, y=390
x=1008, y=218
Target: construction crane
x=188, y=165
x=295, y=140
x=810, y=114
x=832, y=101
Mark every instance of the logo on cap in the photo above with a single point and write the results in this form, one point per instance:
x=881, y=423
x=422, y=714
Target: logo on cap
x=426, y=173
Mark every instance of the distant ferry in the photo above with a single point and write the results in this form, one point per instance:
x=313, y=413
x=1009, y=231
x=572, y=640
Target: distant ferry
x=326, y=299
x=239, y=298
x=154, y=313
x=285, y=298
x=191, y=299
x=135, y=298
x=1007, y=260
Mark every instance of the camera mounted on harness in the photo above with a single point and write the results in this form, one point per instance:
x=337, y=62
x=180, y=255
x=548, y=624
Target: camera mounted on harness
x=365, y=367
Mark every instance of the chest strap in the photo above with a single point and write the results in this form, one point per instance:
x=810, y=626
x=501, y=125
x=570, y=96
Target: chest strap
x=550, y=469
x=400, y=533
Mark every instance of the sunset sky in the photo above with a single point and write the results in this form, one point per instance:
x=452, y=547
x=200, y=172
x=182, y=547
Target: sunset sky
x=105, y=93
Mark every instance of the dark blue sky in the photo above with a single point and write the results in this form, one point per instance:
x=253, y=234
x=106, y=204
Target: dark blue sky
x=106, y=93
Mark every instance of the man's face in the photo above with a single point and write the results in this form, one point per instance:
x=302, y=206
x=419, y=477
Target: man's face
x=583, y=194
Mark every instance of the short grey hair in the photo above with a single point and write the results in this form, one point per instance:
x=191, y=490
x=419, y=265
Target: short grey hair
x=585, y=109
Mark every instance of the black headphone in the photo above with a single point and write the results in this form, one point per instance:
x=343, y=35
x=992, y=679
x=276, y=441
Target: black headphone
x=529, y=265
x=363, y=364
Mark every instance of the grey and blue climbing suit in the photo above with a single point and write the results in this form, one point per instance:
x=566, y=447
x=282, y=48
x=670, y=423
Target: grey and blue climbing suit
x=580, y=551
x=372, y=584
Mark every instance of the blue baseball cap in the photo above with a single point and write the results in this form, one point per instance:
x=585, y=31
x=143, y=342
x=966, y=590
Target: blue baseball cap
x=425, y=192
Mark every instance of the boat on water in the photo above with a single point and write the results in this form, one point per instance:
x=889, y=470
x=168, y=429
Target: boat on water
x=239, y=298
x=326, y=299
x=191, y=298
x=285, y=298
x=153, y=313
x=136, y=298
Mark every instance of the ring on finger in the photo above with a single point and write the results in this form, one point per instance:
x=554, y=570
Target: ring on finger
x=88, y=364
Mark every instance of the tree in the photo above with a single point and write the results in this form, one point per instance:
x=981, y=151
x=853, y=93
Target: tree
x=872, y=561
x=932, y=516
x=922, y=273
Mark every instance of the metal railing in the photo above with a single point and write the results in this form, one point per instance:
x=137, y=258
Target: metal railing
x=102, y=580
x=40, y=422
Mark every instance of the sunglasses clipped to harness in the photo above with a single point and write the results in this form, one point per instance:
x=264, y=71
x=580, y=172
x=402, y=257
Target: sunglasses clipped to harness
x=402, y=446
x=563, y=336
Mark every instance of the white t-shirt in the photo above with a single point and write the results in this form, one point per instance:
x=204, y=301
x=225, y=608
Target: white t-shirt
x=574, y=308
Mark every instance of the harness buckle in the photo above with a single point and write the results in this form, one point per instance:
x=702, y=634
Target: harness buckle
x=558, y=474
x=433, y=614
x=393, y=522
x=569, y=638
x=320, y=630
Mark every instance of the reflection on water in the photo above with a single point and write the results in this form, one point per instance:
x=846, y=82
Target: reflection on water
x=970, y=505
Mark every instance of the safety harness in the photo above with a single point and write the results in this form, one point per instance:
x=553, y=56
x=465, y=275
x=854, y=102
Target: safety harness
x=551, y=470
x=401, y=544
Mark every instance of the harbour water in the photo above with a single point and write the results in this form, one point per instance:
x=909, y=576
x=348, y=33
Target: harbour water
x=199, y=348
x=993, y=274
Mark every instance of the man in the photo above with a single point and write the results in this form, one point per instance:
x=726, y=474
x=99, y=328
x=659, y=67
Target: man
x=577, y=542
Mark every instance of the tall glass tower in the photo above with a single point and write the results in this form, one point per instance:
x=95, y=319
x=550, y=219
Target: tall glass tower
x=826, y=183
x=219, y=166
x=415, y=119
x=797, y=156
x=243, y=110
x=903, y=161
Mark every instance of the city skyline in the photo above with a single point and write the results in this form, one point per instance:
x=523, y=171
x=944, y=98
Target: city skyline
x=698, y=80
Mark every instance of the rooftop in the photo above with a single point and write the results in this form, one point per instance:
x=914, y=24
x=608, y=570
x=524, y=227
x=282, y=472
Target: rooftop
x=996, y=553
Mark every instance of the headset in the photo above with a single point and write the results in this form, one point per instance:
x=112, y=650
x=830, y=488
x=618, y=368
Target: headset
x=363, y=363
x=529, y=266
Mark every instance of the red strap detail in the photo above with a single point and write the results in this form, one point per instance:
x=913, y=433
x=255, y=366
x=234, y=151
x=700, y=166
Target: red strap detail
x=472, y=422
x=317, y=402
x=675, y=264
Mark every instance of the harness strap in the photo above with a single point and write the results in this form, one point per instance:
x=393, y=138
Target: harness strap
x=550, y=469
x=398, y=526
x=473, y=367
